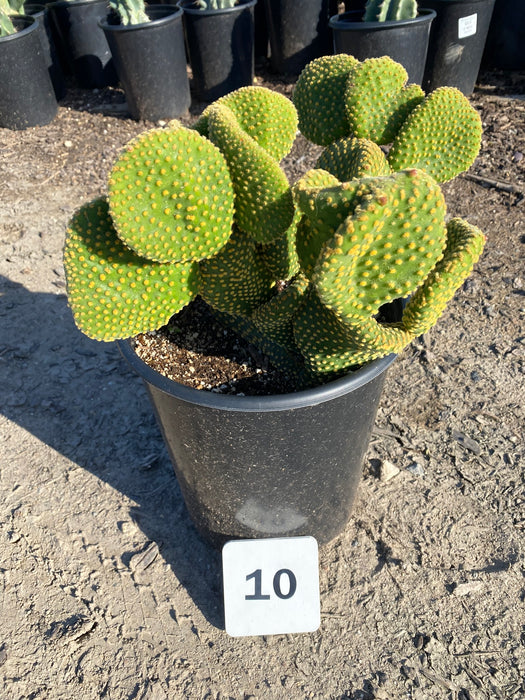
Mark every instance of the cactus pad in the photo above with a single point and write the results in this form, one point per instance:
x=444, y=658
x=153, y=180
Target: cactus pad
x=268, y=117
x=464, y=246
x=113, y=292
x=236, y=280
x=279, y=310
x=319, y=98
x=263, y=198
x=386, y=248
x=280, y=256
x=377, y=101
x=171, y=196
x=442, y=135
x=351, y=158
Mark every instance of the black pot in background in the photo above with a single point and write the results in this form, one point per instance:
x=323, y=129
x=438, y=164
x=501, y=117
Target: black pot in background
x=270, y=466
x=83, y=45
x=220, y=48
x=39, y=12
x=406, y=41
x=505, y=45
x=298, y=33
x=27, y=97
x=457, y=40
x=150, y=61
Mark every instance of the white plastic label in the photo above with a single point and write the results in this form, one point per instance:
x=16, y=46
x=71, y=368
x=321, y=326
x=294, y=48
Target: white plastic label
x=271, y=586
x=467, y=26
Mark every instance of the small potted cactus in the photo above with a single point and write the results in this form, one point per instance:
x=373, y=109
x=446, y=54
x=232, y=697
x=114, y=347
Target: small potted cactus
x=220, y=42
x=27, y=97
x=147, y=46
x=328, y=277
x=396, y=28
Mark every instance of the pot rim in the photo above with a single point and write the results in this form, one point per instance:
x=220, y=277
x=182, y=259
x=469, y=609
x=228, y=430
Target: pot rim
x=172, y=11
x=184, y=5
x=31, y=25
x=277, y=402
x=338, y=21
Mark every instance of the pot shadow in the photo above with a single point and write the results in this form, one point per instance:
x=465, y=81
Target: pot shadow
x=80, y=397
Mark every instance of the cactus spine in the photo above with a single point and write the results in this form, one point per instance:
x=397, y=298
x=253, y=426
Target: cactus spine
x=303, y=272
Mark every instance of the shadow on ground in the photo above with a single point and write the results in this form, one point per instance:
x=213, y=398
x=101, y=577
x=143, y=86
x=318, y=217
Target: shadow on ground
x=79, y=397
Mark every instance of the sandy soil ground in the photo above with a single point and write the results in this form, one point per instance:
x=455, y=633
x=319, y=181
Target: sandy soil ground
x=106, y=589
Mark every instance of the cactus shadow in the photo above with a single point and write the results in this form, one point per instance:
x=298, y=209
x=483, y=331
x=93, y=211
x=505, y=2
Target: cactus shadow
x=79, y=397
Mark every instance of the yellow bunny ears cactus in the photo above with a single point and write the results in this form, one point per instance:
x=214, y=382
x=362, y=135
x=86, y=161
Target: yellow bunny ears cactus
x=301, y=271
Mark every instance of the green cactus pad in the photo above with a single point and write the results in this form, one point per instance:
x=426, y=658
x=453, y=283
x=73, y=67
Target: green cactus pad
x=171, y=196
x=351, y=158
x=279, y=310
x=263, y=197
x=325, y=341
x=268, y=117
x=235, y=281
x=464, y=246
x=280, y=256
x=386, y=248
x=377, y=101
x=325, y=203
x=442, y=136
x=113, y=292
x=319, y=98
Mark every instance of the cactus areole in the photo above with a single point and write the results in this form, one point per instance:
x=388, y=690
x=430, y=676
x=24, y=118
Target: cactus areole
x=301, y=270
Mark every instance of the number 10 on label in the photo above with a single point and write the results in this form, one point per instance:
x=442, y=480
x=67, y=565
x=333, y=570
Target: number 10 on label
x=271, y=586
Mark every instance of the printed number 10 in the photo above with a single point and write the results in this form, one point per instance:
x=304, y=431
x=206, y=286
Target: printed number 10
x=257, y=579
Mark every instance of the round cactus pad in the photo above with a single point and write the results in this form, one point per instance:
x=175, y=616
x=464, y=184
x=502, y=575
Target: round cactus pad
x=386, y=248
x=319, y=98
x=171, y=196
x=442, y=135
x=113, y=292
x=377, y=101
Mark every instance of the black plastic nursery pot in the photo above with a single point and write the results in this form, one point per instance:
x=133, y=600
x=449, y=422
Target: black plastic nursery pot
x=505, y=45
x=270, y=466
x=456, y=43
x=40, y=13
x=150, y=60
x=27, y=97
x=298, y=33
x=220, y=47
x=83, y=46
x=405, y=41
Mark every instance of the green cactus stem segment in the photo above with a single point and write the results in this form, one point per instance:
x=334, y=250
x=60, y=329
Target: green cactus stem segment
x=319, y=98
x=130, y=11
x=442, y=135
x=171, y=196
x=386, y=248
x=464, y=247
x=280, y=309
x=269, y=118
x=280, y=256
x=351, y=158
x=113, y=292
x=263, y=197
x=389, y=10
x=235, y=281
x=378, y=100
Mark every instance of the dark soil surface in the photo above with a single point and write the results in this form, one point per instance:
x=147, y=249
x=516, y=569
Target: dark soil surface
x=106, y=589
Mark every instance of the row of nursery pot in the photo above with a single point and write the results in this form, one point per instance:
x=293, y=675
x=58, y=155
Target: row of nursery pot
x=144, y=47
x=439, y=42
x=326, y=279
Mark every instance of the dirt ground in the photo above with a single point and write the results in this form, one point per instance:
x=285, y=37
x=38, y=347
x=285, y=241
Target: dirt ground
x=106, y=589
